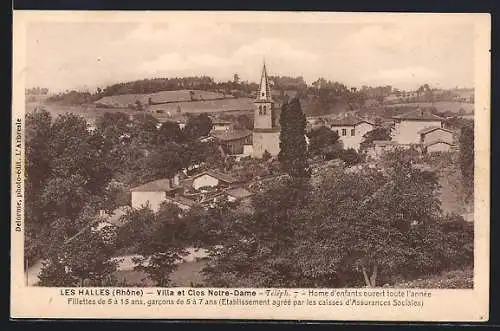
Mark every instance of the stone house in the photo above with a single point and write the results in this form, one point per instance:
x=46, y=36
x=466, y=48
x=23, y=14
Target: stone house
x=351, y=130
x=408, y=127
x=152, y=194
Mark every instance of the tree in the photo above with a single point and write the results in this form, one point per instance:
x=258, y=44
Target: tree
x=169, y=132
x=350, y=157
x=197, y=126
x=144, y=129
x=78, y=255
x=375, y=134
x=138, y=105
x=160, y=240
x=163, y=162
x=114, y=125
x=324, y=142
x=466, y=142
x=293, y=146
x=253, y=250
x=71, y=173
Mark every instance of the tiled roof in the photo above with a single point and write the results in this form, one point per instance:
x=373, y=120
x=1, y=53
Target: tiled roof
x=347, y=121
x=219, y=176
x=182, y=200
x=160, y=185
x=229, y=135
x=239, y=192
x=437, y=142
x=419, y=114
x=432, y=128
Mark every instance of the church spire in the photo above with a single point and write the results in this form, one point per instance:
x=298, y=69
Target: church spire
x=264, y=88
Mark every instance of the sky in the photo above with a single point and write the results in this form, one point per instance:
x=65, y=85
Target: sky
x=77, y=55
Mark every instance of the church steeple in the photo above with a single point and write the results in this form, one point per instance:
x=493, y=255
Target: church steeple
x=264, y=93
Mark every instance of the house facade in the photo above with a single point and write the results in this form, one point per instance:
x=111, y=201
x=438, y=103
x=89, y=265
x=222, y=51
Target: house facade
x=438, y=147
x=154, y=193
x=408, y=127
x=233, y=142
x=212, y=179
x=351, y=131
x=432, y=134
x=220, y=125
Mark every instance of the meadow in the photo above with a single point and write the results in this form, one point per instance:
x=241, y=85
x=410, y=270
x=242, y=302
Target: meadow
x=124, y=100
x=441, y=106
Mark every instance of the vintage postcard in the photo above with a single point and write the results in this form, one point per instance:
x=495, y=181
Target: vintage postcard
x=250, y=165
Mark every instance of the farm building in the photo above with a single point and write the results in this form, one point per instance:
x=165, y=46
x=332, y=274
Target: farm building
x=351, y=130
x=182, y=202
x=233, y=141
x=438, y=146
x=212, y=179
x=152, y=194
x=220, y=125
x=238, y=194
x=380, y=147
x=430, y=134
x=407, y=127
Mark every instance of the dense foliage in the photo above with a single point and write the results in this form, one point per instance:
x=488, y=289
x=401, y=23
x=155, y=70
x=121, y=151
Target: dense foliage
x=466, y=142
x=375, y=226
x=293, y=146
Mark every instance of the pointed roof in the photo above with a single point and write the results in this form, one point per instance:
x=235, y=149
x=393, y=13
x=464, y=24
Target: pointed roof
x=264, y=92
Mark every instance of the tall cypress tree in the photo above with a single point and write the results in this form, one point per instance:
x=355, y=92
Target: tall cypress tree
x=293, y=146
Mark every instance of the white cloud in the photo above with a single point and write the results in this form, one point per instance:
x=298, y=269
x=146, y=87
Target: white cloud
x=74, y=54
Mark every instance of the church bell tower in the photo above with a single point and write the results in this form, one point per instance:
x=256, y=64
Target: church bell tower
x=264, y=105
x=266, y=131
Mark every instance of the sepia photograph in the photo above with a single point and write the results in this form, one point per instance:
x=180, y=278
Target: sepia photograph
x=252, y=153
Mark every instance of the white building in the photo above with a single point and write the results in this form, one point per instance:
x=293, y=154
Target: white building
x=438, y=146
x=351, y=130
x=408, y=127
x=212, y=179
x=154, y=193
x=432, y=134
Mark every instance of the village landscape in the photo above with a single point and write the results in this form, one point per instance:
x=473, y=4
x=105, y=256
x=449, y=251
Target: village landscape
x=279, y=182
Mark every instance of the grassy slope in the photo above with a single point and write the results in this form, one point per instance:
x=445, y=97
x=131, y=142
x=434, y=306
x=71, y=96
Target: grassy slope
x=441, y=106
x=124, y=100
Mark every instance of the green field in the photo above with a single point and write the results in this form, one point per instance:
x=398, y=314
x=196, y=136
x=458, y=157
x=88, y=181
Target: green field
x=123, y=100
x=208, y=106
x=441, y=106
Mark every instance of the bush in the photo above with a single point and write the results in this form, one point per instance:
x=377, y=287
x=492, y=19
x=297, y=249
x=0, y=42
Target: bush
x=350, y=157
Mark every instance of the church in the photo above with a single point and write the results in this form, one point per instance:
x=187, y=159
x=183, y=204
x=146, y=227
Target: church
x=266, y=131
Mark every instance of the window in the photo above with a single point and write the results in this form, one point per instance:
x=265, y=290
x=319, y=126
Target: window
x=344, y=132
x=264, y=110
x=262, y=93
x=260, y=110
x=353, y=133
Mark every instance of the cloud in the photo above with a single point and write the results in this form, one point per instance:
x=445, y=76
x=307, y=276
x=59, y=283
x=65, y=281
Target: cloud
x=68, y=56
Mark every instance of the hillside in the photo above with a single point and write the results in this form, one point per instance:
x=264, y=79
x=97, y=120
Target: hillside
x=441, y=106
x=127, y=100
x=235, y=104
